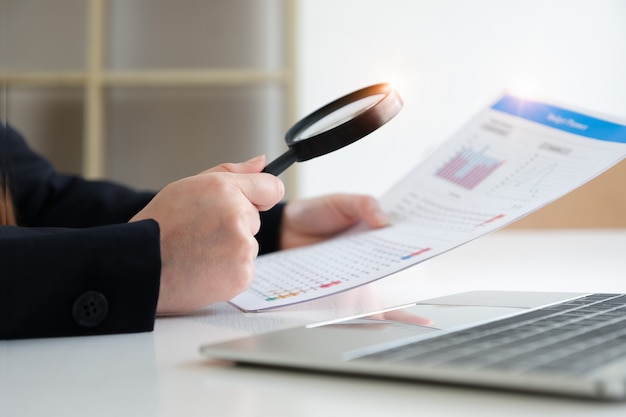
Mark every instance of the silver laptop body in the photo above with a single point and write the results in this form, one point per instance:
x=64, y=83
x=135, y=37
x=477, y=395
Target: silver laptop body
x=559, y=343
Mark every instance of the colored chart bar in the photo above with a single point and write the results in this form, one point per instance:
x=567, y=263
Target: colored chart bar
x=281, y=296
x=298, y=292
x=468, y=168
x=414, y=254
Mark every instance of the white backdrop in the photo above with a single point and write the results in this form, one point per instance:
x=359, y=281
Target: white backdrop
x=448, y=59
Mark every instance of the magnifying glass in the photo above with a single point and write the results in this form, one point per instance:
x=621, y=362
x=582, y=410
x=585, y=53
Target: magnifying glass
x=338, y=124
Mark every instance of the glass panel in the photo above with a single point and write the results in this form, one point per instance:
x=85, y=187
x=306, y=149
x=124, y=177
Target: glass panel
x=156, y=136
x=40, y=35
x=147, y=34
x=51, y=120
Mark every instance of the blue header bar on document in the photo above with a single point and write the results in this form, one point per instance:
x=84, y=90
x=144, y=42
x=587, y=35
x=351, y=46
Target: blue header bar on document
x=562, y=119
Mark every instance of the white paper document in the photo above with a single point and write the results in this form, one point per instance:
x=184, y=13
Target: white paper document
x=511, y=159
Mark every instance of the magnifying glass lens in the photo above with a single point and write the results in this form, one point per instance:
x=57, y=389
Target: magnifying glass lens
x=339, y=117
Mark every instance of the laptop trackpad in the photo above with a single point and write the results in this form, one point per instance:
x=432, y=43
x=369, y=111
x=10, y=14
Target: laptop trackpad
x=442, y=316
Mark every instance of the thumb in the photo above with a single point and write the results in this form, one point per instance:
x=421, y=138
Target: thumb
x=354, y=208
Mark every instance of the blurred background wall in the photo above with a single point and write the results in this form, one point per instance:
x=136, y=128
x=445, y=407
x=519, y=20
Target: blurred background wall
x=451, y=58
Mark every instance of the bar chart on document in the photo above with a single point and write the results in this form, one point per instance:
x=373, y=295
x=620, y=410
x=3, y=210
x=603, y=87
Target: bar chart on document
x=511, y=159
x=469, y=167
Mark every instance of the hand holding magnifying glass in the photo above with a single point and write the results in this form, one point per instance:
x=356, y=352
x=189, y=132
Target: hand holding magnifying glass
x=338, y=124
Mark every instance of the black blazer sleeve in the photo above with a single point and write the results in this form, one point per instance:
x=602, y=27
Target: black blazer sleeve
x=74, y=266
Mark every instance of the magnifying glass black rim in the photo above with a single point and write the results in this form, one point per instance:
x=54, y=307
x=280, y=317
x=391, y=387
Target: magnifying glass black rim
x=348, y=132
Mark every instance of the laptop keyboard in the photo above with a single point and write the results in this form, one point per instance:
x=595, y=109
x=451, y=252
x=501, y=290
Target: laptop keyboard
x=573, y=337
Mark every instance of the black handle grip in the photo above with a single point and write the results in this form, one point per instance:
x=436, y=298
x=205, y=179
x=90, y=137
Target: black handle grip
x=278, y=165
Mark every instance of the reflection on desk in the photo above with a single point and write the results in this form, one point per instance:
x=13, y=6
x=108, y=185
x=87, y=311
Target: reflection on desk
x=162, y=374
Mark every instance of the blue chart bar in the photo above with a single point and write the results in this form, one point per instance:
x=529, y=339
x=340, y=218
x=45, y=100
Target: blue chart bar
x=468, y=168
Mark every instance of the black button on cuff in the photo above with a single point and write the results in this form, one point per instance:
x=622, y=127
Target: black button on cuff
x=90, y=309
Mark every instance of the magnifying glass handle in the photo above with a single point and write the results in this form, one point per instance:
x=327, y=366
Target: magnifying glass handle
x=278, y=165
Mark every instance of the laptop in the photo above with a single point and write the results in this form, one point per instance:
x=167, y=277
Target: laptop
x=555, y=343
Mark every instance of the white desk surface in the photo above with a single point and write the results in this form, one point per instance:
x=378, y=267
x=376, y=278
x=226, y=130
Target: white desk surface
x=162, y=374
